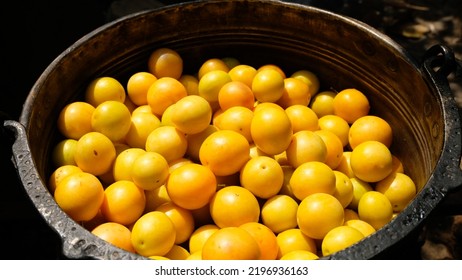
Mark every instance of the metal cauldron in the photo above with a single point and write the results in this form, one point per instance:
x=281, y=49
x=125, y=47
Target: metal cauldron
x=414, y=97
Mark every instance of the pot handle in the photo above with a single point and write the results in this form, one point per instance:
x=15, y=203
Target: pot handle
x=77, y=242
x=438, y=63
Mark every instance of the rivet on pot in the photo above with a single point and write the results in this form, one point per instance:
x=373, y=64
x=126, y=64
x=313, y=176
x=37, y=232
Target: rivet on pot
x=90, y=248
x=46, y=211
x=392, y=64
x=79, y=243
x=427, y=109
x=115, y=255
x=368, y=48
x=40, y=124
x=435, y=130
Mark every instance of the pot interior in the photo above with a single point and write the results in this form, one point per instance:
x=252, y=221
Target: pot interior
x=341, y=51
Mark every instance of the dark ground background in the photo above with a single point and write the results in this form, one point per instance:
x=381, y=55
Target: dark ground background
x=34, y=32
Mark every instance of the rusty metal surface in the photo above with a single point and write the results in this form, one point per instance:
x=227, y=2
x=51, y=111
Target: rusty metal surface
x=386, y=16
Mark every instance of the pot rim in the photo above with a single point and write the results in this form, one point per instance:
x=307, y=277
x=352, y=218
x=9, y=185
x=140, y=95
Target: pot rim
x=432, y=193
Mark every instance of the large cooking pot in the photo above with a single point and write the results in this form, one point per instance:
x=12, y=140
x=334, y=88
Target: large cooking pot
x=413, y=97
